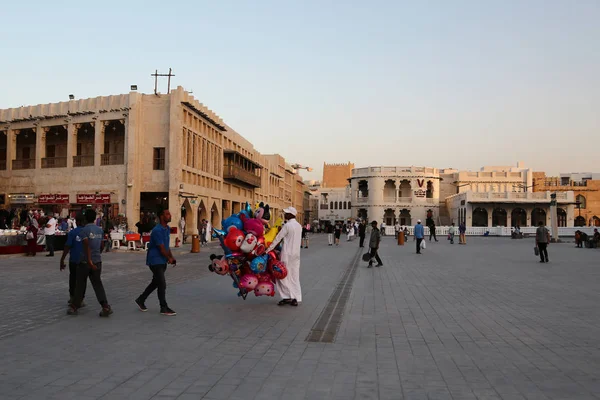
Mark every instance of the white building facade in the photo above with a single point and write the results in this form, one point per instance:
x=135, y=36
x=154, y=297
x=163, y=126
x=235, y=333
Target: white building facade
x=335, y=204
x=508, y=209
x=395, y=194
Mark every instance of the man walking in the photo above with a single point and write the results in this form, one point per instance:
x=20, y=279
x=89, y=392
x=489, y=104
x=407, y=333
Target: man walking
x=542, y=238
x=157, y=257
x=49, y=232
x=338, y=233
x=374, y=240
x=91, y=266
x=291, y=233
x=74, y=247
x=451, y=233
x=329, y=230
x=362, y=231
x=432, y=230
x=419, y=235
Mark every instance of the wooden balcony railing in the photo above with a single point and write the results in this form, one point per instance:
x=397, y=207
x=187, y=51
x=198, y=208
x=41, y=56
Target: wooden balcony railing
x=54, y=162
x=2, y=165
x=83, y=161
x=235, y=172
x=28, y=163
x=112, y=159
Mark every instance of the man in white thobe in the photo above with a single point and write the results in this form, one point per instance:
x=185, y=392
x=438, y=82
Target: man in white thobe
x=208, y=231
x=291, y=234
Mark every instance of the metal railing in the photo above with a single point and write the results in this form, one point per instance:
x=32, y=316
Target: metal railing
x=54, y=162
x=28, y=163
x=83, y=161
x=112, y=159
x=324, y=207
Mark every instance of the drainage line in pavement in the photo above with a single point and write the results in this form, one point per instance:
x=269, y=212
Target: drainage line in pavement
x=326, y=327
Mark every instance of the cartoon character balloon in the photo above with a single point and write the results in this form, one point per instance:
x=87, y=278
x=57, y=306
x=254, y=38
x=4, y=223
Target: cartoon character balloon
x=278, y=269
x=234, y=221
x=219, y=264
x=234, y=239
x=259, y=265
x=249, y=243
x=248, y=282
x=265, y=289
x=252, y=225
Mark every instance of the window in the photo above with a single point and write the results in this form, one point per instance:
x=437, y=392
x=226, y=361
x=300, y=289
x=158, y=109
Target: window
x=50, y=151
x=159, y=158
x=79, y=148
x=581, y=201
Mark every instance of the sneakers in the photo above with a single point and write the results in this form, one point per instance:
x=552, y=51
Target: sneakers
x=167, y=311
x=379, y=265
x=141, y=305
x=106, y=311
x=72, y=311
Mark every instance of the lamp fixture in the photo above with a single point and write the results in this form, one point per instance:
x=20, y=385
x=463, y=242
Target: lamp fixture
x=71, y=97
x=133, y=87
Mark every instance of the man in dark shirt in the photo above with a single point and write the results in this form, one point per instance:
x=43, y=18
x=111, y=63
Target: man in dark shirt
x=362, y=231
x=157, y=257
x=74, y=247
x=91, y=266
x=329, y=230
x=374, y=245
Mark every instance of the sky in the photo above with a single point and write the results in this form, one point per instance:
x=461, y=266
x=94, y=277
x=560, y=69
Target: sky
x=447, y=84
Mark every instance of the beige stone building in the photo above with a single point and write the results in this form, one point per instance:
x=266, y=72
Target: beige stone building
x=131, y=153
x=586, y=188
x=336, y=175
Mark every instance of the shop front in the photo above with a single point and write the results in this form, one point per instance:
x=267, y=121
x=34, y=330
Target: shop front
x=53, y=203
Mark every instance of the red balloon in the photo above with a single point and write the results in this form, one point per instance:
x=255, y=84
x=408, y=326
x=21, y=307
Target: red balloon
x=278, y=270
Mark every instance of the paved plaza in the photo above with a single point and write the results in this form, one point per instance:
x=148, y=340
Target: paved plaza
x=482, y=321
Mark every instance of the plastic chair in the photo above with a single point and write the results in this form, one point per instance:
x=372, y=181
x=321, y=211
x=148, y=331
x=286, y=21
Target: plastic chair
x=146, y=246
x=116, y=244
x=131, y=245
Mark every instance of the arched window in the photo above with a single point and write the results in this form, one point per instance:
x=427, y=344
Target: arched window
x=331, y=205
x=349, y=205
x=581, y=201
x=345, y=205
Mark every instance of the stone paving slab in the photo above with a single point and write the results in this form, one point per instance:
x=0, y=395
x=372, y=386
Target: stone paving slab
x=480, y=321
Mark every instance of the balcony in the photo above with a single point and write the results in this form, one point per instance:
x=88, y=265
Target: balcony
x=324, y=207
x=28, y=163
x=389, y=199
x=83, y=161
x=237, y=173
x=112, y=159
x=2, y=165
x=362, y=200
x=54, y=162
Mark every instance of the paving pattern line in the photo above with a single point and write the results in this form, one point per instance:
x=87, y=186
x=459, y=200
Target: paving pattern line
x=327, y=325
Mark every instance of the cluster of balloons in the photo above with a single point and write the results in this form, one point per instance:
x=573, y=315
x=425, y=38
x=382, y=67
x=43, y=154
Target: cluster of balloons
x=245, y=237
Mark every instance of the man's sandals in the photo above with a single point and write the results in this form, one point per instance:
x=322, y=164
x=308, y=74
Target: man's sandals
x=291, y=302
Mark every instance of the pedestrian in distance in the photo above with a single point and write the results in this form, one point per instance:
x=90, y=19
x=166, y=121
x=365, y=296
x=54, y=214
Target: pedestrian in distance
x=49, y=232
x=542, y=239
x=451, y=233
x=329, y=230
x=159, y=254
x=419, y=235
x=462, y=233
x=362, y=232
x=374, y=241
x=91, y=266
x=291, y=233
x=338, y=233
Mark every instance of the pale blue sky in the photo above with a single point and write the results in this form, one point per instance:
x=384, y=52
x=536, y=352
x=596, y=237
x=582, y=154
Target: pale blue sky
x=460, y=83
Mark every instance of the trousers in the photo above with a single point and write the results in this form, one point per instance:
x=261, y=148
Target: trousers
x=158, y=283
x=543, y=251
x=83, y=273
x=419, y=245
x=375, y=255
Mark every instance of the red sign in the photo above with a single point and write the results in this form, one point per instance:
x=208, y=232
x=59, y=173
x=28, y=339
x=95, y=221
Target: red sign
x=53, y=199
x=420, y=182
x=93, y=199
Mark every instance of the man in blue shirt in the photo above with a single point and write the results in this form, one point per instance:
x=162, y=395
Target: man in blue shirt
x=91, y=266
x=159, y=254
x=419, y=235
x=74, y=247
